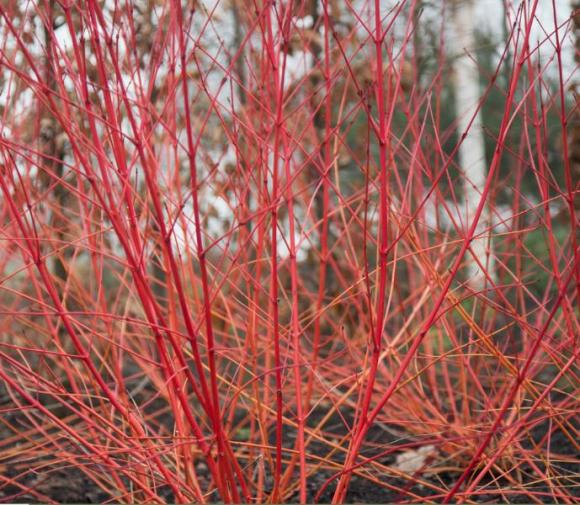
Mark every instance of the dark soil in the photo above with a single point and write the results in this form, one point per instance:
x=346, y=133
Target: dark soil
x=67, y=484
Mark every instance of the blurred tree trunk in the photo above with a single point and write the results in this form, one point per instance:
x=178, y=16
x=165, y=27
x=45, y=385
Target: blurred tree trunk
x=52, y=156
x=472, y=151
x=575, y=120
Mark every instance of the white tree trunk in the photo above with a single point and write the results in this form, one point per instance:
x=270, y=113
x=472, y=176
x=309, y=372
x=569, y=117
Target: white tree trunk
x=472, y=150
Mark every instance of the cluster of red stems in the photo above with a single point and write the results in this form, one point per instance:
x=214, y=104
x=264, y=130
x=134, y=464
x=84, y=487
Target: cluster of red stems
x=222, y=270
